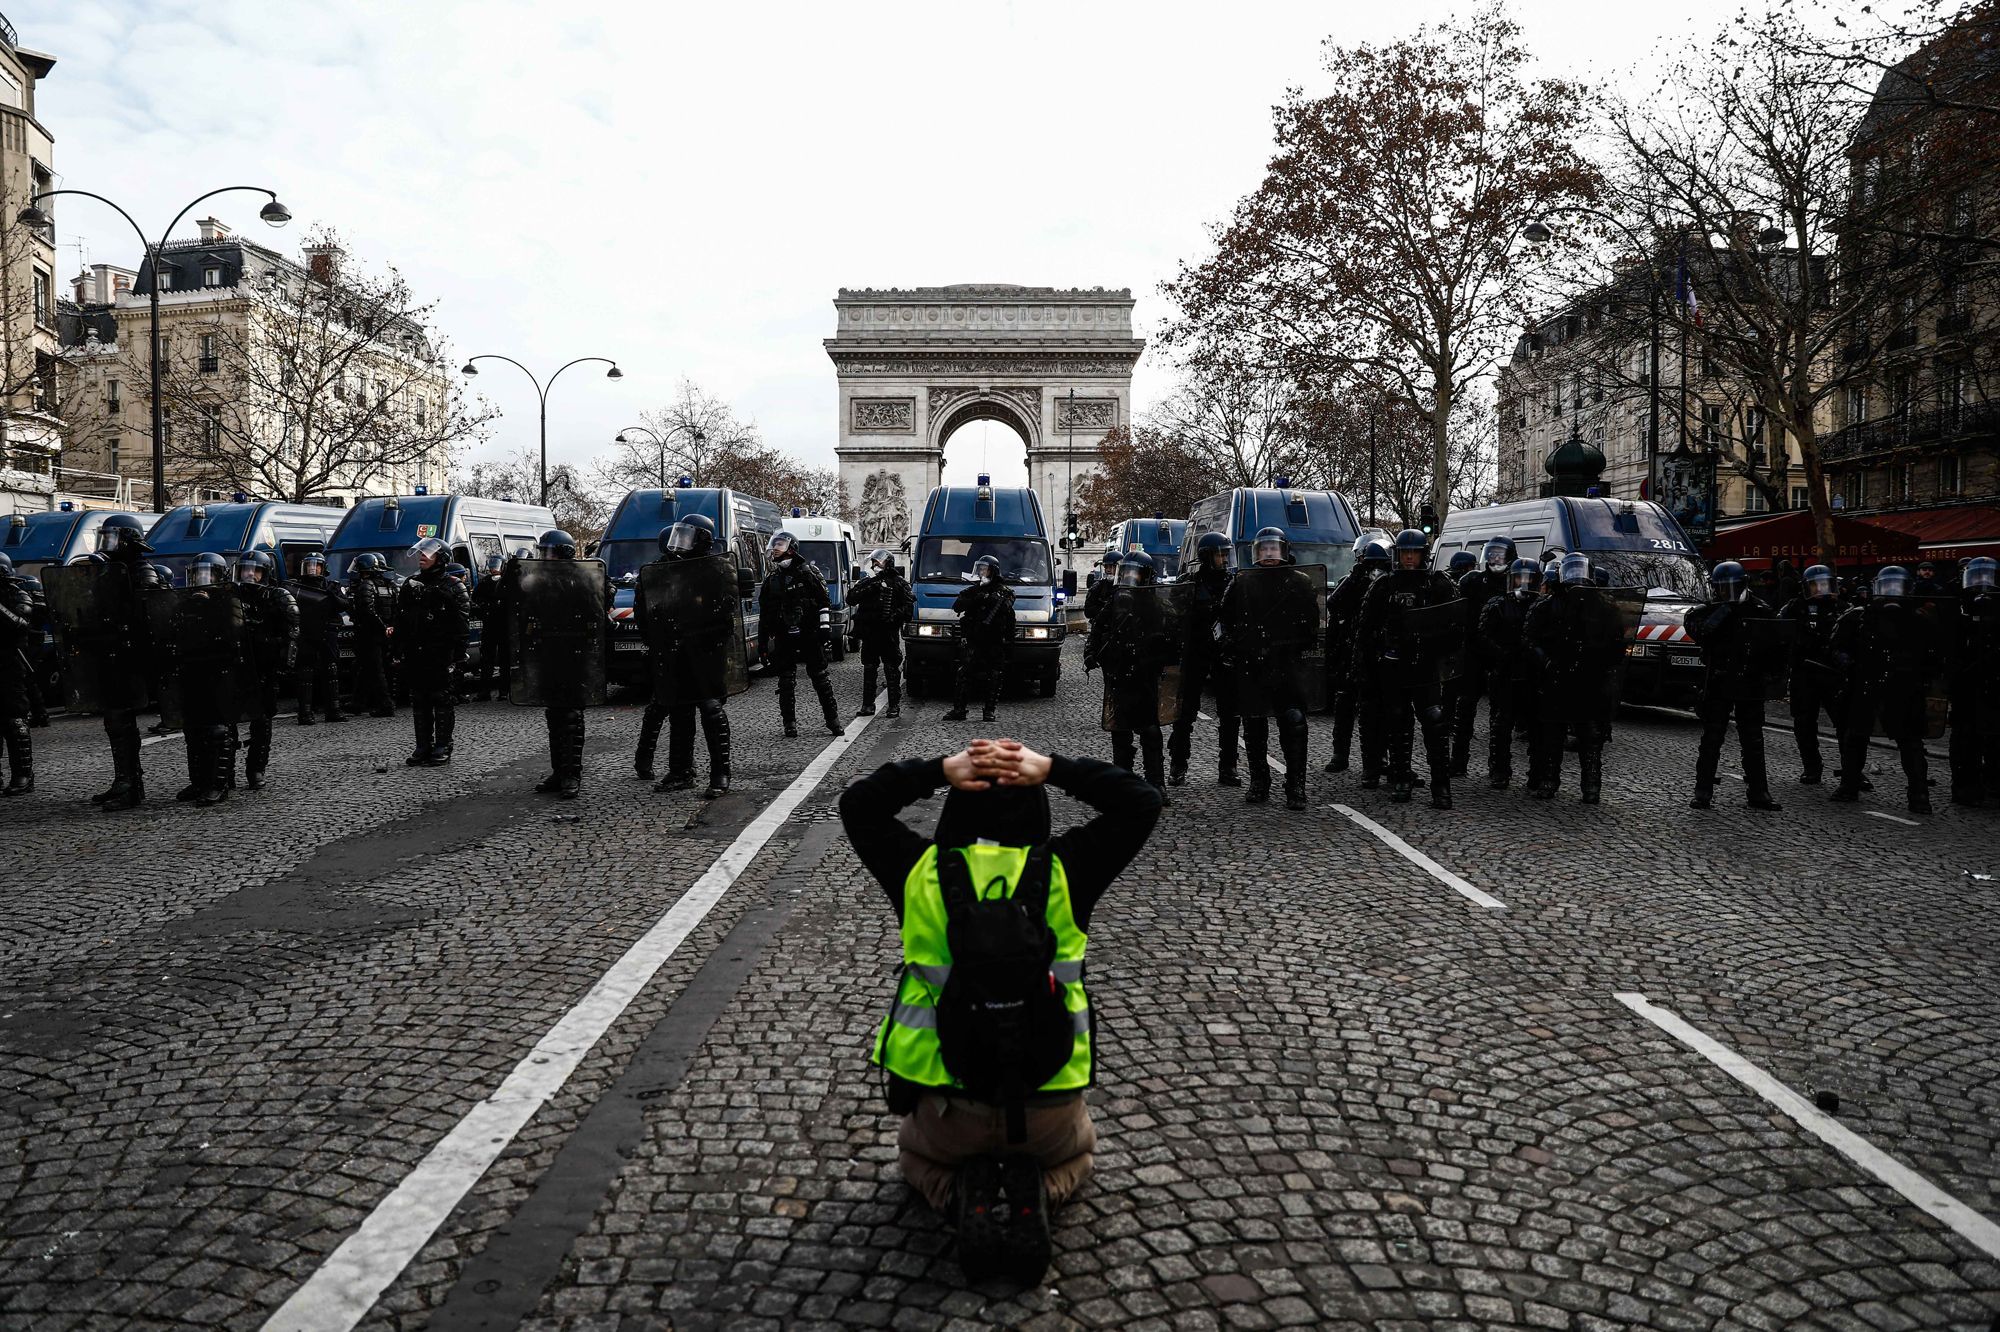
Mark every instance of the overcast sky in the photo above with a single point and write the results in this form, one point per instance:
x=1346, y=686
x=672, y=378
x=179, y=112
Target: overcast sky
x=684, y=187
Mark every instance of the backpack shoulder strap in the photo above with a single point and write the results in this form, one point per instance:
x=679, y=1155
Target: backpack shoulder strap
x=1033, y=888
x=954, y=881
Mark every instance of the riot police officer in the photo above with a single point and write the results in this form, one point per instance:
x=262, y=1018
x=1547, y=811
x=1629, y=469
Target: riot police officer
x=1815, y=684
x=1486, y=579
x=213, y=652
x=1730, y=688
x=1577, y=643
x=985, y=637
x=433, y=618
x=564, y=678
x=120, y=642
x=1343, y=610
x=1098, y=594
x=1202, y=666
x=374, y=595
x=796, y=619
x=17, y=630
x=271, y=620
x=1506, y=665
x=322, y=602
x=492, y=607
x=1134, y=643
x=690, y=656
x=35, y=655
x=1975, y=685
x=1405, y=651
x=1269, y=619
x=1887, y=650
x=881, y=603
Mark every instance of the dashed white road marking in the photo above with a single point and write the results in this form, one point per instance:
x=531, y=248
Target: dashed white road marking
x=1893, y=818
x=346, y=1286
x=1971, y=1226
x=1422, y=861
x=182, y=734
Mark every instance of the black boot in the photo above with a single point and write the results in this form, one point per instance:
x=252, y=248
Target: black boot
x=1400, y=788
x=1704, y=795
x=130, y=786
x=447, y=722
x=716, y=730
x=1440, y=793
x=1295, y=789
x=867, y=708
x=258, y=757
x=829, y=707
x=1260, y=786
x=572, y=761
x=424, y=719
x=1760, y=798
x=1590, y=778
x=650, y=723
x=788, y=712
x=1461, y=747
x=895, y=683
x=21, y=758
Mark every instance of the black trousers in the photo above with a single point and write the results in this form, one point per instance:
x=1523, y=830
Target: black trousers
x=262, y=711
x=1554, y=724
x=882, y=651
x=1125, y=745
x=1199, y=672
x=1465, y=693
x=1716, y=714
x=565, y=731
x=371, y=671
x=121, y=728
x=1807, y=702
x=1501, y=693
x=317, y=681
x=1291, y=743
x=981, y=668
x=788, y=653
x=1910, y=749
x=495, y=657
x=433, y=704
x=1407, y=707
x=1975, y=742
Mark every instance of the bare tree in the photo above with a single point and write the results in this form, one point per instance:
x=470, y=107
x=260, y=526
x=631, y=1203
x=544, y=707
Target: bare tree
x=581, y=507
x=297, y=383
x=1387, y=232
x=1143, y=469
x=690, y=436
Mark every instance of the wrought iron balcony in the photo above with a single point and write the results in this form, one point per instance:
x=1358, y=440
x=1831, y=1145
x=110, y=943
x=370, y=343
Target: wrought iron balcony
x=1912, y=430
x=7, y=33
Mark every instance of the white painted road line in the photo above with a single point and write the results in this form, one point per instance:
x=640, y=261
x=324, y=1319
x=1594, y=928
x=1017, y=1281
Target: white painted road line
x=182, y=735
x=1277, y=764
x=1971, y=1226
x=1422, y=861
x=346, y=1286
x=1893, y=818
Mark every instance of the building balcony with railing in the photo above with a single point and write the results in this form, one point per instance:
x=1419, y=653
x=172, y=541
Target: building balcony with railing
x=1906, y=430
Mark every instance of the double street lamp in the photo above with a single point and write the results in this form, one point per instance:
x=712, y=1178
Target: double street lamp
x=273, y=213
x=695, y=434
x=542, y=392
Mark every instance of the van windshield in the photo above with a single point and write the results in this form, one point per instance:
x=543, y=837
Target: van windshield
x=626, y=557
x=949, y=559
x=1681, y=575
x=1337, y=557
x=825, y=557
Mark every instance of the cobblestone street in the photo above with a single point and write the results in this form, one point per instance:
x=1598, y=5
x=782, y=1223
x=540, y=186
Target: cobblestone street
x=1371, y=1065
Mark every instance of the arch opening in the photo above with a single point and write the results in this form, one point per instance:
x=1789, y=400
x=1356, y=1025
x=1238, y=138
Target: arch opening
x=983, y=438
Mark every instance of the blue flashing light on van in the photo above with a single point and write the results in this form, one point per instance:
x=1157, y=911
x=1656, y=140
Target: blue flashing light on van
x=961, y=524
x=285, y=532
x=744, y=525
x=1320, y=524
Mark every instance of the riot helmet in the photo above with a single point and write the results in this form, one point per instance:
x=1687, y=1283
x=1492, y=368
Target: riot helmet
x=1108, y=561
x=1211, y=551
x=1134, y=571
x=1979, y=573
x=882, y=560
x=986, y=569
x=1498, y=555
x=367, y=562
x=166, y=574
x=1729, y=581
x=557, y=544
x=431, y=554
x=1270, y=546
x=121, y=531
x=784, y=546
x=147, y=576
x=253, y=566
x=1462, y=563
x=1372, y=553
x=1818, y=581
x=6, y=565
x=1524, y=577
x=457, y=572
x=496, y=564
x=1893, y=581
x=524, y=552
x=34, y=584
x=312, y=565
x=1411, y=547
x=208, y=570
x=1576, y=568
x=691, y=536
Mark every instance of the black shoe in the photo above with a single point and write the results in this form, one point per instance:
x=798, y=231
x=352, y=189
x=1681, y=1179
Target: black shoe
x=644, y=774
x=1177, y=775
x=1258, y=793
x=893, y=710
x=211, y=797
x=835, y=728
x=990, y=1244
x=986, y=715
x=1762, y=800
x=1371, y=781
x=115, y=791
x=1228, y=777
x=336, y=716
x=569, y=788
x=1458, y=767
x=1920, y=803
x=1845, y=794
x=1295, y=791
x=23, y=783
x=133, y=797
x=1702, y=800
x=675, y=781
x=718, y=786
x=1811, y=777
x=187, y=793
x=420, y=759
x=440, y=757
x=1335, y=764
x=1440, y=795
x=1399, y=792
x=306, y=719
x=867, y=711
x=791, y=733
x=381, y=712
x=253, y=779
x=1542, y=790
x=956, y=714
x=548, y=785
x=1500, y=781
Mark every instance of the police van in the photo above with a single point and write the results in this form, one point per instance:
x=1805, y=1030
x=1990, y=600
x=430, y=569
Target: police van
x=744, y=525
x=961, y=524
x=1320, y=525
x=829, y=546
x=285, y=532
x=35, y=541
x=1157, y=538
x=1637, y=544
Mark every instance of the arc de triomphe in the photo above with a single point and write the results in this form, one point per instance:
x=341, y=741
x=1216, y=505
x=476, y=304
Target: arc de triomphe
x=915, y=365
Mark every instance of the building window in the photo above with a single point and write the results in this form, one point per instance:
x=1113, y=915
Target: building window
x=1947, y=476
x=1711, y=424
x=111, y=453
x=1904, y=479
x=211, y=277
x=210, y=362
x=1950, y=391
x=1899, y=394
x=1799, y=497
x=1857, y=405
x=211, y=428
x=423, y=411
x=1754, y=501
x=113, y=402
x=163, y=276
x=44, y=302
x=1854, y=489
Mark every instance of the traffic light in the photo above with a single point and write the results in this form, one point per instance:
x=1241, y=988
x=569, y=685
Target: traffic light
x=1428, y=517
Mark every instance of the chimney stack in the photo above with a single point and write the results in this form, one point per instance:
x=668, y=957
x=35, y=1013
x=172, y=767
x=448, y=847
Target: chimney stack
x=323, y=261
x=213, y=230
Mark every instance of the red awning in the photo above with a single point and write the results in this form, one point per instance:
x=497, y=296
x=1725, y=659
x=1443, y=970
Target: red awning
x=1952, y=531
x=1790, y=536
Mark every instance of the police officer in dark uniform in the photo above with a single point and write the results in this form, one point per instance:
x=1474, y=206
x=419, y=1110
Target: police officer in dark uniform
x=881, y=604
x=1815, y=684
x=492, y=606
x=271, y=619
x=985, y=637
x=796, y=619
x=17, y=630
x=213, y=667
x=1485, y=580
x=1506, y=665
x=1343, y=610
x=1098, y=595
x=1406, y=669
x=1264, y=639
x=125, y=643
x=1202, y=665
x=1887, y=651
x=564, y=725
x=374, y=596
x=321, y=602
x=1576, y=641
x=1128, y=644
x=1728, y=672
x=433, y=618
x=688, y=680
x=1975, y=686
x=35, y=652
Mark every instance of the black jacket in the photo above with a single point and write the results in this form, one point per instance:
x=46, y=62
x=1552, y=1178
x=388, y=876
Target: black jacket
x=433, y=620
x=881, y=604
x=794, y=594
x=271, y=618
x=986, y=614
x=1092, y=854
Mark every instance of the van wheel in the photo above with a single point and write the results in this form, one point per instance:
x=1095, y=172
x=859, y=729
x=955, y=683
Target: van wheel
x=1047, y=684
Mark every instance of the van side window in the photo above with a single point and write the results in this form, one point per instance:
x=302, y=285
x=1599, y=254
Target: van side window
x=483, y=548
x=289, y=554
x=1528, y=547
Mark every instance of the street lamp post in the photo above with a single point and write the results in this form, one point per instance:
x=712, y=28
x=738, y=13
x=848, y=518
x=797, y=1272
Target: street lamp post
x=273, y=213
x=542, y=392
x=696, y=434
x=1069, y=495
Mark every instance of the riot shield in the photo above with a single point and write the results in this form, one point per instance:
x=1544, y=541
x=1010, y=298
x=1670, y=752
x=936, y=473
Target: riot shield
x=100, y=635
x=160, y=603
x=1770, y=643
x=693, y=619
x=1142, y=670
x=559, y=631
x=1430, y=635
x=1277, y=651
x=1610, y=617
x=214, y=682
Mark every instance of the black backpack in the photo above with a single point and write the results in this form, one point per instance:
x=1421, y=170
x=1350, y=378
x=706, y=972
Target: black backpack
x=1003, y=1028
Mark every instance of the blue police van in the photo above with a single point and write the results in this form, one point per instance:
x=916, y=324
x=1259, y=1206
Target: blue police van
x=1320, y=525
x=1157, y=538
x=285, y=532
x=744, y=525
x=960, y=524
x=51, y=539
